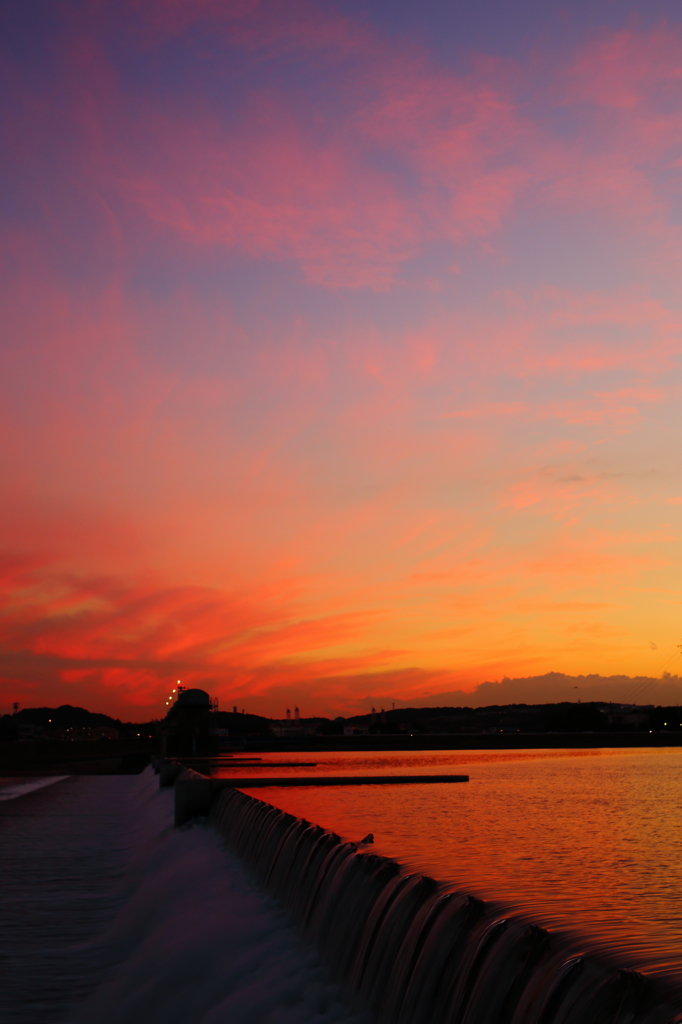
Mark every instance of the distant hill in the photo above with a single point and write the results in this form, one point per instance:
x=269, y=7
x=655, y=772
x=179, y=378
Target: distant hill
x=241, y=724
x=643, y=713
x=64, y=717
x=59, y=720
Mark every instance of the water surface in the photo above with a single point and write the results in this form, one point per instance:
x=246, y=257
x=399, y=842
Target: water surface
x=582, y=839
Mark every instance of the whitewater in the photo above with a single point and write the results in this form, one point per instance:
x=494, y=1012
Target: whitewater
x=110, y=914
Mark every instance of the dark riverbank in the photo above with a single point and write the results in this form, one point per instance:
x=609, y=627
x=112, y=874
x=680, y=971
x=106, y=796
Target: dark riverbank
x=76, y=757
x=125, y=756
x=453, y=741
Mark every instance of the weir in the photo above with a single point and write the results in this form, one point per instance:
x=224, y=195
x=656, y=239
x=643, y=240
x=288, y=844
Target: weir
x=196, y=793
x=412, y=952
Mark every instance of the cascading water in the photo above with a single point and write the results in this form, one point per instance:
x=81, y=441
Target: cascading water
x=111, y=915
x=415, y=954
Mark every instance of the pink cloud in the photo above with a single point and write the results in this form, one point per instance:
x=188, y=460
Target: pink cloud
x=351, y=188
x=287, y=175
x=625, y=69
x=276, y=190
x=293, y=182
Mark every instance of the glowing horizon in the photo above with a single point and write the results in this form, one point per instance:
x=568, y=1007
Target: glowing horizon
x=339, y=362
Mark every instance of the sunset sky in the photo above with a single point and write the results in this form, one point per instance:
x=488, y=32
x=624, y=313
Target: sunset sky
x=341, y=354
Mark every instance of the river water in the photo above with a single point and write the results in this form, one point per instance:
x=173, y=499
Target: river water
x=588, y=841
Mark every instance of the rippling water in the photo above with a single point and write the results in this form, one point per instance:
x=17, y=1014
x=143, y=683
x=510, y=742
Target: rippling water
x=589, y=840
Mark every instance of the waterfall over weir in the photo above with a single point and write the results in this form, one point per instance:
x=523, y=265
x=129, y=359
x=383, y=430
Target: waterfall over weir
x=413, y=953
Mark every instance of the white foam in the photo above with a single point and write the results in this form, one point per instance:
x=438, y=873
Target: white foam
x=195, y=942
x=19, y=787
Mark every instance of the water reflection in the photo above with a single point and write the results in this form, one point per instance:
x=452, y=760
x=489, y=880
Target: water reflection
x=591, y=837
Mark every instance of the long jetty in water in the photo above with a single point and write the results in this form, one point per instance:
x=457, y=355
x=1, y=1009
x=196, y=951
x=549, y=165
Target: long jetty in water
x=195, y=794
x=338, y=780
x=406, y=948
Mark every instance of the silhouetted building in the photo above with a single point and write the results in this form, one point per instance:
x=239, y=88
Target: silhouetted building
x=188, y=722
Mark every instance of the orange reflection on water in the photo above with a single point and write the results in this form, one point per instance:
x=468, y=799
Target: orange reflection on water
x=585, y=839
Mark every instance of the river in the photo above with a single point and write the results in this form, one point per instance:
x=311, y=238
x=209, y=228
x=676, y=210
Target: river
x=588, y=841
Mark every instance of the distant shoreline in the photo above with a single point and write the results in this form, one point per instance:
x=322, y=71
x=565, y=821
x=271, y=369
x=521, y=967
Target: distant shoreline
x=455, y=741
x=124, y=757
